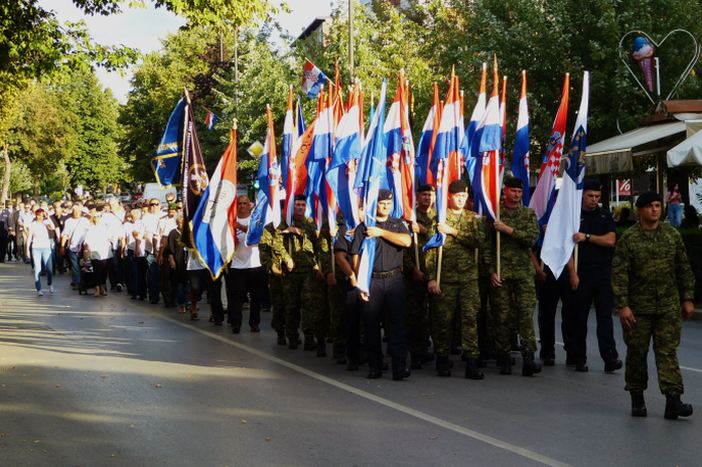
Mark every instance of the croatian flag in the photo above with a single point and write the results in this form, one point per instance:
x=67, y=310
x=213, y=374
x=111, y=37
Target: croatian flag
x=400, y=154
x=469, y=145
x=446, y=155
x=214, y=222
x=210, y=119
x=489, y=147
x=503, y=123
x=288, y=140
x=520, y=155
x=347, y=150
x=427, y=141
x=290, y=182
x=545, y=193
x=322, y=149
x=371, y=169
x=312, y=79
x=268, y=177
x=565, y=220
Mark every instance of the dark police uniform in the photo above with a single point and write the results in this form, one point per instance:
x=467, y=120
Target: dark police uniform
x=387, y=298
x=549, y=294
x=346, y=296
x=595, y=286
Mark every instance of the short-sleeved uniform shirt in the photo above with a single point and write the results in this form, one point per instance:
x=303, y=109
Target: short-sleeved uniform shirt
x=596, y=222
x=388, y=256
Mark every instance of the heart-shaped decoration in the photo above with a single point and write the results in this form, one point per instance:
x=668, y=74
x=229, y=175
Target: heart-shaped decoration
x=644, y=56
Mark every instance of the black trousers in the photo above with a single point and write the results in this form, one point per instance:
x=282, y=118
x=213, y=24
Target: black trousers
x=595, y=286
x=241, y=282
x=214, y=289
x=549, y=294
x=352, y=321
x=385, y=308
x=3, y=243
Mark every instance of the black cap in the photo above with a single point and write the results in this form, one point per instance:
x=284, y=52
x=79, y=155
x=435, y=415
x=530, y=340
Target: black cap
x=384, y=195
x=647, y=198
x=514, y=182
x=423, y=188
x=592, y=184
x=458, y=186
x=301, y=198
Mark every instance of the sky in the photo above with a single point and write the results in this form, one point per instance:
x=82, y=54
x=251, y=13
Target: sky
x=144, y=28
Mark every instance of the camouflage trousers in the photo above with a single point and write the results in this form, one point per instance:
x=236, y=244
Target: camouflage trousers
x=514, y=309
x=417, y=316
x=457, y=301
x=664, y=328
x=275, y=288
x=298, y=304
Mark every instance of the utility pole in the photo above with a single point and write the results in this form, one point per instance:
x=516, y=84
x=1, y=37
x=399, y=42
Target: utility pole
x=351, y=41
x=236, y=67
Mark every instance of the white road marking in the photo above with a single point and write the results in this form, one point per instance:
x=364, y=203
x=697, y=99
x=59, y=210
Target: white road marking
x=520, y=451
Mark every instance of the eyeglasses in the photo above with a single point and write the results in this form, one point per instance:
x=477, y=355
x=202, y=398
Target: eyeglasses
x=154, y=204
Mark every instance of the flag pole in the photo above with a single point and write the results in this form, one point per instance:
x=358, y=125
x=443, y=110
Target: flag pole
x=438, y=266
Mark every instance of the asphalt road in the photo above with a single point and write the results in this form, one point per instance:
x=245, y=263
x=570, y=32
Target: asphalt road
x=88, y=381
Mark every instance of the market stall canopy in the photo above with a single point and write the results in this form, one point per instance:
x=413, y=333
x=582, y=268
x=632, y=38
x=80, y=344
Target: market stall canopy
x=689, y=152
x=614, y=155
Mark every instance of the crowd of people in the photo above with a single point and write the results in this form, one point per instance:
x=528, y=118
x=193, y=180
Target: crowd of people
x=429, y=306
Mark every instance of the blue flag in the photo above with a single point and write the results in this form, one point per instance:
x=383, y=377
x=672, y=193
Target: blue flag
x=166, y=163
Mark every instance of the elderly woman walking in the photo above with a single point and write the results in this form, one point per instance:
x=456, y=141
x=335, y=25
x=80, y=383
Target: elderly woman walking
x=98, y=249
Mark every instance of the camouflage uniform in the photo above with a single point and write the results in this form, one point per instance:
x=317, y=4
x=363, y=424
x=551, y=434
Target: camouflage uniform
x=336, y=296
x=486, y=314
x=517, y=294
x=651, y=275
x=299, y=285
x=459, y=284
x=417, y=312
x=275, y=284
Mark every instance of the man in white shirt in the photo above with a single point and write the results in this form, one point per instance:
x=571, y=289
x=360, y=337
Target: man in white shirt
x=73, y=235
x=115, y=269
x=246, y=275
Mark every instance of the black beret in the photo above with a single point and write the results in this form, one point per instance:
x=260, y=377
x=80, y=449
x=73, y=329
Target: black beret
x=423, y=188
x=301, y=198
x=592, y=184
x=458, y=186
x=647, y=198
x=384, y=195
x=514, y=182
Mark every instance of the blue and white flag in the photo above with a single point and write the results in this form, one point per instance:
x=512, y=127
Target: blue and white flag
x=520, y=155
x=370, y=170
x=166, y=163
x=565, y=218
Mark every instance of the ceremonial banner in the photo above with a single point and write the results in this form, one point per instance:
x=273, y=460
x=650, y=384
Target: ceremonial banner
x=166, y=164
x=194, y=179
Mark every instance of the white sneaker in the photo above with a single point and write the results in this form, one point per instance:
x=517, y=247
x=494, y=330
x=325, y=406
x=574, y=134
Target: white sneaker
x=40, y=293
x=51, y=288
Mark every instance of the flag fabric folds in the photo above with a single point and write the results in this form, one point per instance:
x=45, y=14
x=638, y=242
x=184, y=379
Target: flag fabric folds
x=490, y=148
x=565, y=219
x=210, y=119
x=167, y=161
x=312, y=79
x=545, y=193
x=469, y=145
x=371, y=168
x=214, y=222
x=194, y=179
x=427, y=141
x=520, y=154
x=267, y=200
x=288, y=140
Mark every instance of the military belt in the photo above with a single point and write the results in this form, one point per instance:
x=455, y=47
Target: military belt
x=386, y=274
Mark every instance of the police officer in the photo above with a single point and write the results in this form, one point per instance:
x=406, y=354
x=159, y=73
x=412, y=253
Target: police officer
x=345, y=291
x=595, y=240
x=385, y=302
x=514, y=288
x=457, y=293
x=652, y=283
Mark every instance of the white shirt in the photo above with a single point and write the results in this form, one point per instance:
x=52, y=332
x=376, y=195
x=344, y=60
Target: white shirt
x=245, y=256
x=165, y=226
x=40, y=234
x=114, y=227
x=194, y=262
x=97, y=239
x=150, y=223
x=74, y=230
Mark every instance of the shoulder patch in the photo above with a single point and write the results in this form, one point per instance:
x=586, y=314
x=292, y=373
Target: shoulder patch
x=616, y=261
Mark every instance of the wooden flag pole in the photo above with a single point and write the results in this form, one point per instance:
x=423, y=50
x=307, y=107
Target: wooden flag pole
x=438, y=266
x=575, y=257
x=416, y=249
x=331, y=250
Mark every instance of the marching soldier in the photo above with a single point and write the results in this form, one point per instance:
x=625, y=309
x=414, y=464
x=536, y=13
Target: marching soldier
x=273, y=265
x=652, y=283
x=336, y=289
x=457, y=293
x=514, y=288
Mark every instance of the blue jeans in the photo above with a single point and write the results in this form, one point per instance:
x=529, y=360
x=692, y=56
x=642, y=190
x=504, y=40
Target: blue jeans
x=675, y=214
x=42, y=256
x=75, y=267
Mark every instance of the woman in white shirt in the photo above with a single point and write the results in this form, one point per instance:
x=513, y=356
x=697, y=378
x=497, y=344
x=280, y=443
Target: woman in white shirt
x=98, y=249
x=40, y=234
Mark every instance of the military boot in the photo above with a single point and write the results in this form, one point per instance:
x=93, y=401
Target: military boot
x=472, y=369
x=504, y=362
x=442, y=366
x=340, y=354
x=321, y=347
x=638, y=405
x=529, y=365
x=310, y=344
x=281, y=338
x=415, y=361
x=675, y=408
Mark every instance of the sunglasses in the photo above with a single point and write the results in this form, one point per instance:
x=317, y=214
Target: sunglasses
x=154, y=204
